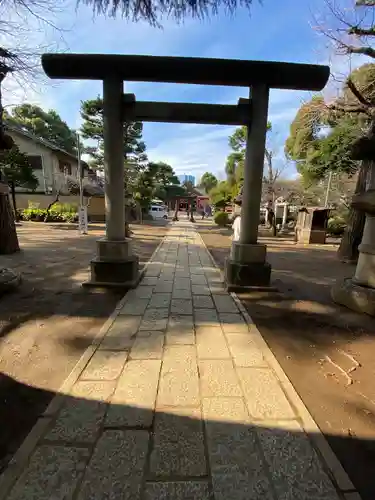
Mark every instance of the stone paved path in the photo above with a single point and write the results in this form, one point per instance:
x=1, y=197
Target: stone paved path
x=177, y=400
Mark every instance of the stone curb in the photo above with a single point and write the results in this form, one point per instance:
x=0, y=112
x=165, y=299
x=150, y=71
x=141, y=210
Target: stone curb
x=309, y=425
x=22, y=455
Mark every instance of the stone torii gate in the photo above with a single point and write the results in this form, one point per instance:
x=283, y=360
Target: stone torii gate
x=115, y=264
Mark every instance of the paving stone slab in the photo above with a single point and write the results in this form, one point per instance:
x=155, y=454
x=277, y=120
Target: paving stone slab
x=237, y=468
x=116, y=468
x=182, y=283
x=149, y=281
x=200, y=290
x=233, y=323
x=164, y=287
x=178, y=321
x=156, y=313
x=212, y=273
x=182, y=275
x=197, y=270
x=122, y=333
x=264, y=396
x=295, y=468
x=153, y=270
x=211, y=343
x=226, y=411
x=244, y=350
x=181, y=294
x=179, y=385
x=206, y=317
x=135, y=306
x=225, y=304
x=150, y=347
x=178, y=443
x=203, y=302
x=162, y=300
x=142, y=292
x=181, y=490
x=166, y=277
x=96, y=390
x=154, y=324
x=78, y=421
x=134, y=399
x=52, y=473
x=182, y=306
x=105, y=365
x=182, y=335
x=198, y=279
x=217, y=288
x=218, y=379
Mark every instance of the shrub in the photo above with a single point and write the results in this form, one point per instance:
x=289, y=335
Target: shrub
x=39, y=215
x=336, y=226
x=221, y=218
x=34, y=214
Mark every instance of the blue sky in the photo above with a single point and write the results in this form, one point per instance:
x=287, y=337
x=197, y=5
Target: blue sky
x=274, y=30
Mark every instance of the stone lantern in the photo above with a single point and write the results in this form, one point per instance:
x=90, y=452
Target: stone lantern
x=358, y=292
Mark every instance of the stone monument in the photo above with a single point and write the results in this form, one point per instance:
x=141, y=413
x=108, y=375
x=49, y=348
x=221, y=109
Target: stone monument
x=358, y=293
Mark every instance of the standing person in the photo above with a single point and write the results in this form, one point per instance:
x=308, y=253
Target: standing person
x=236, y=226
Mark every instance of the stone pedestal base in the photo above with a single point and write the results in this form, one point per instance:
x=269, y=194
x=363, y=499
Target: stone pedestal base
x=246, y=268
x=354, y=296
x=9, y=280
x=310, y=236
x=115, y=266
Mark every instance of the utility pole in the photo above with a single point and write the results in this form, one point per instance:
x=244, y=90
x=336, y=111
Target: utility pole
x=82, y=213
x=328, y=188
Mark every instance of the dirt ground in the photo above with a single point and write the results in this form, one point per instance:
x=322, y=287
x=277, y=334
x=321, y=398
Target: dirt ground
x=327, y=351
x=39, y=320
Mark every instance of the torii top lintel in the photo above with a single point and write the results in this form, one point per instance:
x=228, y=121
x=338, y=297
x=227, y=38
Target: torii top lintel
x=192, y=70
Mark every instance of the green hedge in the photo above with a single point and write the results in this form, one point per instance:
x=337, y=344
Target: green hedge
x=221, y=218
x=336, y=226
x=39, y=215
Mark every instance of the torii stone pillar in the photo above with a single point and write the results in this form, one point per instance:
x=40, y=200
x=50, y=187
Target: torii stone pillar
x=247, y=265
x=115, y=265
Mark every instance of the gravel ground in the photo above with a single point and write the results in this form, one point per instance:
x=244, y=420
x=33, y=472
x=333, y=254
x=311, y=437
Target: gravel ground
x=327, y=351
x=41, y=320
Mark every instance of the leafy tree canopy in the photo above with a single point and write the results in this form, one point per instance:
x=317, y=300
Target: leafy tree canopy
x=208, y=181
x=44, y=124
x=16, y=168
x=222, y=194
x=322, y=136
x=234, y=167
x=93, y=129
x=153, y=12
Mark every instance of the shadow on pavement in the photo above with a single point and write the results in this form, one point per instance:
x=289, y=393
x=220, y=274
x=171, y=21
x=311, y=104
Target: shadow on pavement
x=119, y=450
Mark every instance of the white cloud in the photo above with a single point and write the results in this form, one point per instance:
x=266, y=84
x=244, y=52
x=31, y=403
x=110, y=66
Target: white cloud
x=202, y=149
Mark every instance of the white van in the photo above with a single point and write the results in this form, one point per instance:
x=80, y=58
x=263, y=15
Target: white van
x=158, y=212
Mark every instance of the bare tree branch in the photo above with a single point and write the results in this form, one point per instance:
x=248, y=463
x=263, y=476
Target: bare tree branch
x=358, y=94
x=365, y=3
x=366, y=51
x=356, y=30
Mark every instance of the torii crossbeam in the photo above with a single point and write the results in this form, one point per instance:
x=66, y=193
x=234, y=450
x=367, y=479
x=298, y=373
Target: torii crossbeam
x=115, y=265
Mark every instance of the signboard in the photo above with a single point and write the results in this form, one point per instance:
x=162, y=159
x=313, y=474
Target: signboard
x=82, y=220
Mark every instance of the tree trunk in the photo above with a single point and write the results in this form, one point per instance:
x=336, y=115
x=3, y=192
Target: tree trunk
x=191, y=218
x=8, y=234
x=352, y=237
x=14, y=202
x=175, y=217
x=57, y=197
